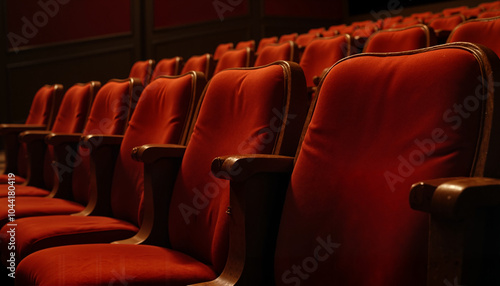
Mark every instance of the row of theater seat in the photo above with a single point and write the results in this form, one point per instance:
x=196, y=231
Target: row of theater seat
x=315, y=197
x=341, y=218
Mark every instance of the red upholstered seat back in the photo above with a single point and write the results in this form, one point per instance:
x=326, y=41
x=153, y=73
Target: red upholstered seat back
x=221, y=49
x=162, y=116
x=241, y=113
x=288, y=37
x=446, y=23
x=304, y=39
x=109, y=116
x=246, y=44
x=479, y=31
x=323, y=53
x=234, y=59
x=42, y=112
x=265, y=42
x=398, y=40
x=203, y=63
x=489, y=14
x=71, y=118
x=142, y=70
x=42, y=107
x=170, y=67
x=454, y=10
x=346, y=218
x=286, y=51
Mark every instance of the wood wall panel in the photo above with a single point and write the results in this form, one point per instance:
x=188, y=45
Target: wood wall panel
x=26, y=78
x=52, y=21
x=187, y=12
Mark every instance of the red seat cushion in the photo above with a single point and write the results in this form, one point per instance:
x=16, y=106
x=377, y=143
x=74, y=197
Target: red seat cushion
x=111, y=265
x=4, y=179
x=37, y=206
x=25, y=191
x=32, y=233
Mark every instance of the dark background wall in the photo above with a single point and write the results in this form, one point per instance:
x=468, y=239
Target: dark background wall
x=69, y=41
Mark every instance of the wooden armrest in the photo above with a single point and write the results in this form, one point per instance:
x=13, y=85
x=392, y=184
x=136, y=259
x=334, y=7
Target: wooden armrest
x=455, y=198
x=161, y=166
x=63, y=138
x=66, y=158
x=97, y=140
x=33, y=135
x=240, y=168
x=104, y=150
x=18, y=128
x=464, y=228
x=151, y=152
x=256, y=201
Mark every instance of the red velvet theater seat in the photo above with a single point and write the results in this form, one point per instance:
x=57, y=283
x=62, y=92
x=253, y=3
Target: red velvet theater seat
x=403, y=39
x=235, y=59
x=489, y=14
x=142, y=70
x=221, y=49
x=288, y=37
x=490, y=5
x=71, y=118
x=246, y=44
x=444, y=25
x=454, y=10
x=265, y=42
x=109, y=115
x=162, y=116
x=244, y=111
x=322, y=53
x=479, y=31
x=41, y=116
x=346, y=218
x=171, y=66
x=287, y=51
x=203, y=63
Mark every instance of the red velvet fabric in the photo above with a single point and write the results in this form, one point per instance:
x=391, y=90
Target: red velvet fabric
x=410, y=38
x=23, y=191
x=37, y=206
x=304, y=39
x=288, y=37
x=104, y=264
x=271, y=53
x=167, y=67
x=479, y=32
x=265, y=42
x=221, y=49
x=4, y=179
x=381, y=124
x=234, y=59
x=321, y=54
x=36, y=233
x=71, y=118
x=489, y=14
x=234, y=119
x=200, y=63
x=454, y=10
x=446, y=23
x=40, y=113
x=246, y=44
x=41, y=106
x=142, y=70
x=490, y=5
x=160, y=118
x=108, y=116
